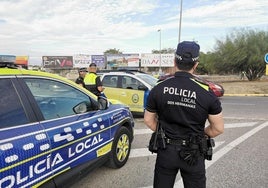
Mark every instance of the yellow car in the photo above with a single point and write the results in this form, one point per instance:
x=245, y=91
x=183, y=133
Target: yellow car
x=129, y=87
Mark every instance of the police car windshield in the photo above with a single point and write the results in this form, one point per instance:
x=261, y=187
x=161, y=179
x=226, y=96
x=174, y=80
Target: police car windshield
x=152, y=81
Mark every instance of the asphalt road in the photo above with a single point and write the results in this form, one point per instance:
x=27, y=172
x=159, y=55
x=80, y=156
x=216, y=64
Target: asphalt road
x=240, y=157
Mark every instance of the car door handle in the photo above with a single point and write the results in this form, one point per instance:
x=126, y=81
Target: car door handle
x=123, y=94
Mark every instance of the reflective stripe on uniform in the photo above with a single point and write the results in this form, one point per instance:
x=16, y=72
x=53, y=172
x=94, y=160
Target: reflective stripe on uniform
x=202, y=85
x=90, y=79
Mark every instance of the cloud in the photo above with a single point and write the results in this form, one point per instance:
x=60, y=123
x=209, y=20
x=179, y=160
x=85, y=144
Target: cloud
x=64, y=27
x=48, y=22
x=228, y=13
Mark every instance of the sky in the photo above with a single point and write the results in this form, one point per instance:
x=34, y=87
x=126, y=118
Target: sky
x=37, y=28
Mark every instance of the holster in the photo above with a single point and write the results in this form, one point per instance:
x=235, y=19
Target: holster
x=153, y=143
x=157, y=140
x=209, y=149
x=190, y=151
x=194, y=147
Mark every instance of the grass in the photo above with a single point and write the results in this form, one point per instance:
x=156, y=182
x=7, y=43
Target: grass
x=245, y=87
x=233, y=84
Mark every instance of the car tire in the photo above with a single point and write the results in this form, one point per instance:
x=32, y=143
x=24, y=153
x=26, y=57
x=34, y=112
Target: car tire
x=120, y=148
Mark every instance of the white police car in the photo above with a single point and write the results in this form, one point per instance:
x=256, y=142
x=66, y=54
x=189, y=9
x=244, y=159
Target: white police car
x=129, y=87
x=51, y=129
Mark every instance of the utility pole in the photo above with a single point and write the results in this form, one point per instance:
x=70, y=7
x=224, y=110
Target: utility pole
x=180, y=22
x=160, y=69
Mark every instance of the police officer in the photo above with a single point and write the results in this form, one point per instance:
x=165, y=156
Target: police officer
x=82, y=73
x=92, y=80
x=180, y=106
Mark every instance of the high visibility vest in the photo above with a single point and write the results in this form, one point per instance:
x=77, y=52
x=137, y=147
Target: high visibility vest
x=90, y=79
x=90, y=83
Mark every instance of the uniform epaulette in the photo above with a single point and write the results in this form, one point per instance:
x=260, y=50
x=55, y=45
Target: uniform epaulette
x=200, y=82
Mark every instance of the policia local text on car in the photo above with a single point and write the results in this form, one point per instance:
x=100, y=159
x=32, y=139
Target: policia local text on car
x=177, y=109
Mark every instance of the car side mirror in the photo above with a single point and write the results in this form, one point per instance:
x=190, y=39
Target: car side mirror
x=82, y=107
x=103, y=103
x=142, y=87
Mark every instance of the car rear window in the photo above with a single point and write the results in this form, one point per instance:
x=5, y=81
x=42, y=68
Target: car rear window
x=11, y=109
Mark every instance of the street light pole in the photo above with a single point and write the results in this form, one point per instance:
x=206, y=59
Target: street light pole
x=180, y=22
x=160, y=70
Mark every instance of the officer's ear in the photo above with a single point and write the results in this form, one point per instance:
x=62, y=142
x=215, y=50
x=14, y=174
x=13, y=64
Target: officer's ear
x=175, y=64
x=195, y=65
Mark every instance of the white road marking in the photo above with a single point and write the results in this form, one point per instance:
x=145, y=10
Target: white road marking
x=235, y=143
x=239, y=125
x=140, y=152
x=228, y=148
x=246, y=118
x=144, y=152
x=142, y=131
x=217, y=155
x=227, y=125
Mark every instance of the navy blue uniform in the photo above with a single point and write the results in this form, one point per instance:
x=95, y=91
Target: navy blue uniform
x=80, y=80
x=92, y=82
x=182, y=105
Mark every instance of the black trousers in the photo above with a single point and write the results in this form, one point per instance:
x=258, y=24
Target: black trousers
x=169, y=162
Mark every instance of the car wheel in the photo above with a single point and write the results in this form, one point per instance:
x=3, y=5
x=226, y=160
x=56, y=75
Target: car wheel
x=120, y=149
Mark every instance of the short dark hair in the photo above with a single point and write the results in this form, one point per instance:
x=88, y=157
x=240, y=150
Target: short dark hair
x=92, y=65
x=184, y=65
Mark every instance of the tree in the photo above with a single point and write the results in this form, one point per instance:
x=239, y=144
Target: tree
x=112, y=51
x=242, y=51
x=164, y=51
x=206, y=63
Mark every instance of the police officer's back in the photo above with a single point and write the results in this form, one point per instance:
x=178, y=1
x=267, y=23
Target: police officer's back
x=181, y=105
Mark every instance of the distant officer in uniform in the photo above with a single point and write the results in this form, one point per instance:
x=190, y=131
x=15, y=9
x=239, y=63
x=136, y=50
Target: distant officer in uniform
x=181, y=105
x=82, y=73
x=92, y=80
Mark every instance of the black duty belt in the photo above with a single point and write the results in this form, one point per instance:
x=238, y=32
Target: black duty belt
x=178, y=142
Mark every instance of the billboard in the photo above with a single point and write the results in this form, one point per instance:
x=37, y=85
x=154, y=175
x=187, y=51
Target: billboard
x=153, y=60
x=57, y=62
x=84, y=60
x=99, y=60
x=167, y=60
x=81, y=60
x=123, y=60
x=8, y=58
x=22, y=60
